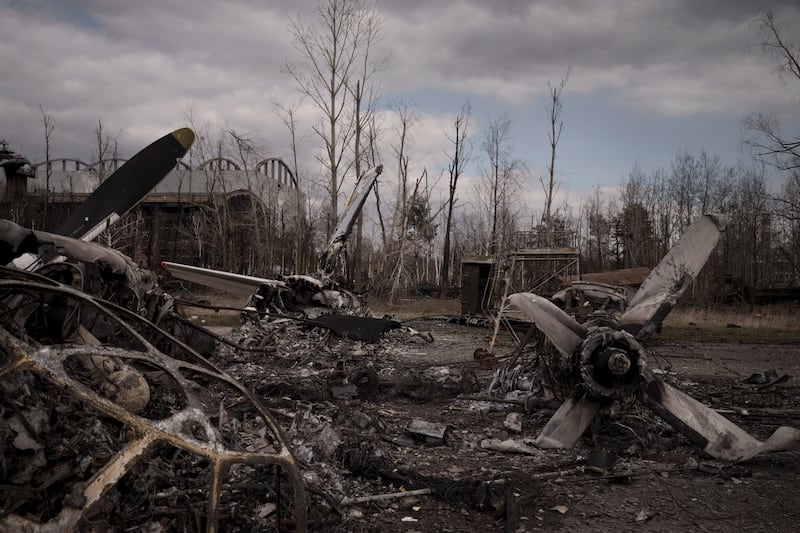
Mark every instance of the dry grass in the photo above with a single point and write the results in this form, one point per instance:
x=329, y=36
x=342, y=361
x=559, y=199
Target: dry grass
x=770, y=317
x=762, y=324
x=408, y=308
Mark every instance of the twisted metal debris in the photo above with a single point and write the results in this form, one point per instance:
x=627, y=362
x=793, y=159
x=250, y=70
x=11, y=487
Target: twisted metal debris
x=45, y=343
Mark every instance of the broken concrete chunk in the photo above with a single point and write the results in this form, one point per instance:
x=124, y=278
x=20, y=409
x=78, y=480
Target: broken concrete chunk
x=428, y=432
x=23, y=440
x=513, y=422
x=266, y=510
x=403, y=440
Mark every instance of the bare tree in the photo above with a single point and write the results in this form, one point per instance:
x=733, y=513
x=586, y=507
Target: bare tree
x=47, y=122
x=685, y=187
x=779, y=150
x=410, y=214
x=663, y=211
x=333, y=50
x=747, y=206
x=709, y=167
x=215, y=222
x=406, y=118
x=499, y=181
x=775, y=147
x=633, y=225
x=462, y=152
x=549, y=185
x=256, y=218
x=107, y=149
x=365, y=94
x=107, y=154
x=287, y=115
x=788, y=222
x=374, y=157
x=598, y=232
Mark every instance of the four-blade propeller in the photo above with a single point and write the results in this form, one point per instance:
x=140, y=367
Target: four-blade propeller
x=611, y=361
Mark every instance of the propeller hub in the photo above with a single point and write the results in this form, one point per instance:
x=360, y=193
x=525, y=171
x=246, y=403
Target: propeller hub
x=618, y=362
x=611, y=362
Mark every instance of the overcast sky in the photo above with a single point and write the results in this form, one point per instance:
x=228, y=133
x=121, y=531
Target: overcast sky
x=649, y=77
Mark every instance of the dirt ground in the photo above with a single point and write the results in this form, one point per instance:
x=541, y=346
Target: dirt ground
x=660, y=482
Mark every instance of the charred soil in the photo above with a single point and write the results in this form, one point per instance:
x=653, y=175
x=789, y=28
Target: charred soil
x=356, y=442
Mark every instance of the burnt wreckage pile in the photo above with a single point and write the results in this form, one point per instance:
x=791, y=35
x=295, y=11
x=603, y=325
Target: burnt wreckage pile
x=103, y=408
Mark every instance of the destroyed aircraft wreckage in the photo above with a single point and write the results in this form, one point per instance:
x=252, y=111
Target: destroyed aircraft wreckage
x=607, y=355
x=316, y=300
x=310, y=300
x=84, y=323
x=303, y=297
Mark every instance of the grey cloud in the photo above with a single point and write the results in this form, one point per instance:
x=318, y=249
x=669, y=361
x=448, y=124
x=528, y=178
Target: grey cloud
x=146, y=62
x=469, y=45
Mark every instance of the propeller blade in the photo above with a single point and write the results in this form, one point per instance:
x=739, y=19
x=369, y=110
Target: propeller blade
x=237, y=284
x=670, y=278
x=347, y=219
x=567, y=425
x=117, y=195
x=715, y=434
x=562, y=330
x=123, y=189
